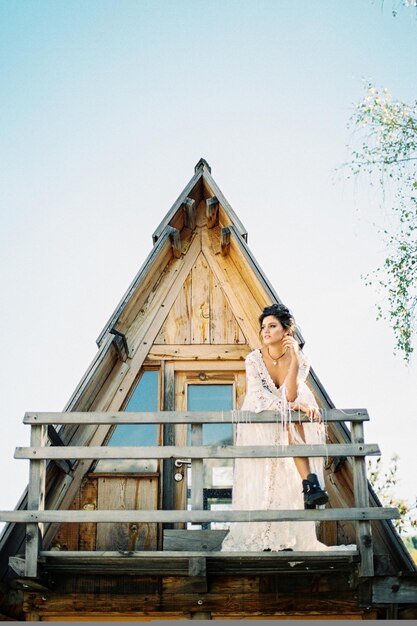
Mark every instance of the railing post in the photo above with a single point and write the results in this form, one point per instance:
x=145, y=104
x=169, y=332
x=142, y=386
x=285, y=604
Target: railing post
x=197, y=483
x=168, y=484
x=361, y=496
x=36, y=502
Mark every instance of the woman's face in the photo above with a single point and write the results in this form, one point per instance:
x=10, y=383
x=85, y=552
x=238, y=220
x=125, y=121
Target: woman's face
x=272, y=330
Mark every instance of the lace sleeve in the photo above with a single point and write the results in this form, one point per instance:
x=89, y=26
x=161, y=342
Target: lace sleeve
x=258, y=395
x=303, y=367
x=304, y=394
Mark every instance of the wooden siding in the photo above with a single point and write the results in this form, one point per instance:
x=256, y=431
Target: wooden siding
x=118, y=492
x=201, y=313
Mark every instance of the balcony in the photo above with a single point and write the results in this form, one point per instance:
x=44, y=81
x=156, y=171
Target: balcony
x=201, y=558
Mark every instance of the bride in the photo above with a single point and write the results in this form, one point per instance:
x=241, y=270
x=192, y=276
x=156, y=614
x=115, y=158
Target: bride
x=275, y=381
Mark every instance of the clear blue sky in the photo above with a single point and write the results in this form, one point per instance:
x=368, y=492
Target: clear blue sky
x=106, y=106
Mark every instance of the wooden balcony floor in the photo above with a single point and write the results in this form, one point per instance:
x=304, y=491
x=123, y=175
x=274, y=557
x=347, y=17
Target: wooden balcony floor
x=182, y=563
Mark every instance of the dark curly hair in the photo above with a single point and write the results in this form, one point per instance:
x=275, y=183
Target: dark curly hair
x=283, y=315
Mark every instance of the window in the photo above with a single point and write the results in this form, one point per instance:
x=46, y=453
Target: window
x=144, y=398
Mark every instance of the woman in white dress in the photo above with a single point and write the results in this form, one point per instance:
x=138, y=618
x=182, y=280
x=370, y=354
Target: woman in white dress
x=275, y=381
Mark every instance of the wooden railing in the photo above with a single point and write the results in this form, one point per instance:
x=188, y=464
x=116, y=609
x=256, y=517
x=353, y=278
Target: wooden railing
x=40, y=451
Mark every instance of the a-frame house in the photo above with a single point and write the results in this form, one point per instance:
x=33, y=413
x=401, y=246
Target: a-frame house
x=130, y=487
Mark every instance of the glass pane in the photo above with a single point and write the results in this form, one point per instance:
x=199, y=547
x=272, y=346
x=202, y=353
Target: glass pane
x=218, y=473
x=143, y=398
x=212, y=398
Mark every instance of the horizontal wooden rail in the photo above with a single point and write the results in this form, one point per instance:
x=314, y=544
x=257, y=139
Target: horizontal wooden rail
x=197, y=452
x=292, y=515
x=187, y=417
x=164, y=555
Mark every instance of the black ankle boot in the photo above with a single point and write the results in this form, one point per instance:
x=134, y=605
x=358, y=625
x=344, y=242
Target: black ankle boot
x=313, y=493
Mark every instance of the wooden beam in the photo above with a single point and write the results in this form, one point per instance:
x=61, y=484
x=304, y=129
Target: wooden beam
x=225, y=240
x=197, y=477
x=197, y=452
x=212, y=212
x=202, y=352
x=189, y=212
x=361, y=499
x=175, y=237
x=197, y=570
x=36, y=502
x=180, y=516
x=184, y=417
x=120, y=344
x=395, y=590
x=168, y=468
x=56, y=440
x=326, y=556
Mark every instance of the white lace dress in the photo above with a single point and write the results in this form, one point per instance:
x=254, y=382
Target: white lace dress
x=272, y=483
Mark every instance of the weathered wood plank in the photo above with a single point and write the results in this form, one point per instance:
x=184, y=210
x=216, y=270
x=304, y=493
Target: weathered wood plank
x=393, y=589
x=168, y=469
x=212, y=212
x=36, y=501
x=224, y=327
x=122, y=493
x=176, y=329
x=175, y=237
x=217, y=351
x=225, y=240
x=361, y=499
x=238, y=295
x=197, y=452
x=183, y=556
x=88, y=502
x=241, y=604
x=200, y=304
x=184, y=417
x=67, y=535
x=198, y=540
x=189, y=213
x=283, y=515
x=197, y=480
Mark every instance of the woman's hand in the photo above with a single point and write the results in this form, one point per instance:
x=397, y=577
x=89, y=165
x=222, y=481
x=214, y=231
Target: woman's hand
x=291, y=344
x=312, y=411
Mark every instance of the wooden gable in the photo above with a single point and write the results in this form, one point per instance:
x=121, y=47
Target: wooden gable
x=191, y=313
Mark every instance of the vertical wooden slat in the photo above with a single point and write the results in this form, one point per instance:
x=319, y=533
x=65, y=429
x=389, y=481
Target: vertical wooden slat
x=88, y=502
x=224, y=328
x=177, y=327
x=360, y=490
x=200, y=305
x=197, y=469
x=180, y=488
x=168, y=471
x=36, y=502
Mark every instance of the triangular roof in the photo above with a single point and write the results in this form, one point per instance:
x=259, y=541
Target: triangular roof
x=202, y=242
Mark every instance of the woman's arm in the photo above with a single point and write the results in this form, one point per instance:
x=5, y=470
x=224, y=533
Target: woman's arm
x=291, y=384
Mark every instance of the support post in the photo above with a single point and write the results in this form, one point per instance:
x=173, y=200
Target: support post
x=197, y=470
x=360, y=490
x=168, y=483
x=36, y=502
